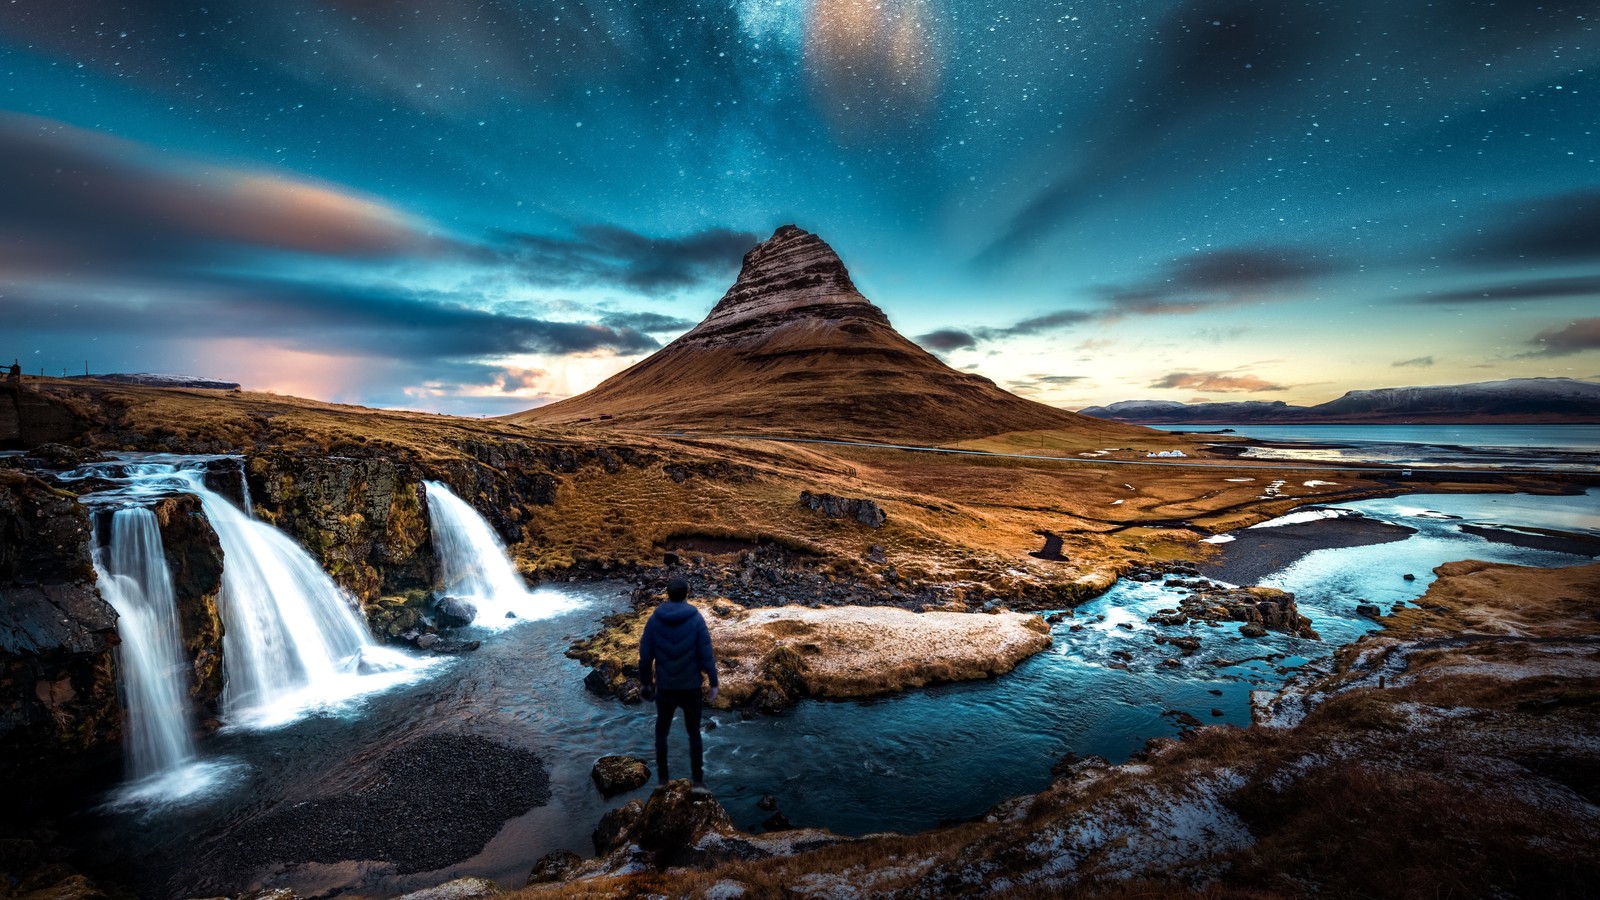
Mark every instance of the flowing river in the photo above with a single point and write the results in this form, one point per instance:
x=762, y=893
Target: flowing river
x=903, y=763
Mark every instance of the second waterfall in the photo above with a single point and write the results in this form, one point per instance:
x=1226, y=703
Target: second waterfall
x=474, y=564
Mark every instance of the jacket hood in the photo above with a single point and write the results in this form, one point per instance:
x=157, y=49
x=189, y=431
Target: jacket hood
x=675, y=612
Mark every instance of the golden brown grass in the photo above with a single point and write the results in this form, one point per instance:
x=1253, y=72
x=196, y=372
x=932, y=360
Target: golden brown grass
x=968, y=522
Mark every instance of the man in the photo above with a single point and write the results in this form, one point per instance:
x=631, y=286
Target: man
x=674, y=651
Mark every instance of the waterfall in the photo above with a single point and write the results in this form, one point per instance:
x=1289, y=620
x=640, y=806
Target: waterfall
x=292, y=639
x=133, y=576
x=244, y=491
x=291, y=636
x=473, y=564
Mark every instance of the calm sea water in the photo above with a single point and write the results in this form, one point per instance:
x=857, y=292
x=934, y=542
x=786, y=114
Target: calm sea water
x=1555, y=447
x=1546, y=437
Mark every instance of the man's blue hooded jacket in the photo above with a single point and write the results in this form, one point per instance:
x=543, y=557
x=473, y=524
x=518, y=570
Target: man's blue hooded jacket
x=676, y=648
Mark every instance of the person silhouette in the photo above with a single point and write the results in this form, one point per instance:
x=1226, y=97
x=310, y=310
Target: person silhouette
x=674, y=651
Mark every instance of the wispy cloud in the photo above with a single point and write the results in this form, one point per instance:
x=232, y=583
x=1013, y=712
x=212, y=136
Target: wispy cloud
x=1419, y=361
x=1216, y=382
x=1565, y=340
x=1564, y=228
x=946, y=339
x=81, y=202
x=1195, y=283
x=609, y=255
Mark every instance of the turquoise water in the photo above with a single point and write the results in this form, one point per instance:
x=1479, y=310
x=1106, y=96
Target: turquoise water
x=902, y=763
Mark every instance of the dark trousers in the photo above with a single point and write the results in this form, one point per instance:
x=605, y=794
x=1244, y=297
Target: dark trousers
x=667, y=702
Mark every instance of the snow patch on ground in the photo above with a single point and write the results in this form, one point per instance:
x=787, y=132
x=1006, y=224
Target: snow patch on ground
x=1145, y=830
x=1300, y=516
x=1239, y=480
x=1218, y=539
x=1315, y=483
x=854, y=882
x=725, y=890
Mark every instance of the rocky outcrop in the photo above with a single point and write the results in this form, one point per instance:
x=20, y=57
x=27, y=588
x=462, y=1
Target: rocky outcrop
x=194, y=558
x=867, y=512
x=619, y=774
x=58, y=692
x=362, y=518
x=677, y=827
x=770, y=658
x=454, y=612
x=1260, y=609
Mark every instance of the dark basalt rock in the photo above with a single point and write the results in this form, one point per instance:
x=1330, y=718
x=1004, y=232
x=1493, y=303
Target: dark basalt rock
x=454, y=612
x=617, y=826
x=867, y=512
x=58, y=698
x=60, y=456
x=555, y=866
x=619, y=774
x=1072, y=765
x=1187, y=644
x=194, y=557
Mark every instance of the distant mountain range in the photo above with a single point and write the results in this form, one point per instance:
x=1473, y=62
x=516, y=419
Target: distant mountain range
x=1514, y=400
x=793, y=348
x=148, y=379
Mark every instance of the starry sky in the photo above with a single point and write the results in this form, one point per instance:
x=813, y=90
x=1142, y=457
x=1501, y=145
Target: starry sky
x=478, y=206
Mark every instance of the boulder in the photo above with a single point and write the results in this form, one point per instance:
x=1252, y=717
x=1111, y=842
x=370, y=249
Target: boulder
x=1187, y=644
x=1370, y=610
x=776, y=822
x=1071, y=765
x=619, y=774
x=469, y=888
x=425, y=641
x=767, y=803
x=668, y=826
x=867, y=512
x=555, y=866
x=617, y=827
x=454, y=612
x=1253, y=630
x=675, y=819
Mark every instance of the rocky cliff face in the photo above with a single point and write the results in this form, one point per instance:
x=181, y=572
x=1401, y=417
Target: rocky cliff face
x=28, y=418
x=194, y=557
x=363, y=519
x=58, y=692
x=792, y=276
x=366, y=519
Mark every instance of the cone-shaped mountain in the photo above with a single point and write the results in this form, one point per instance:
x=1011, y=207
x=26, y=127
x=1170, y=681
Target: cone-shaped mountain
x=793, y=348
